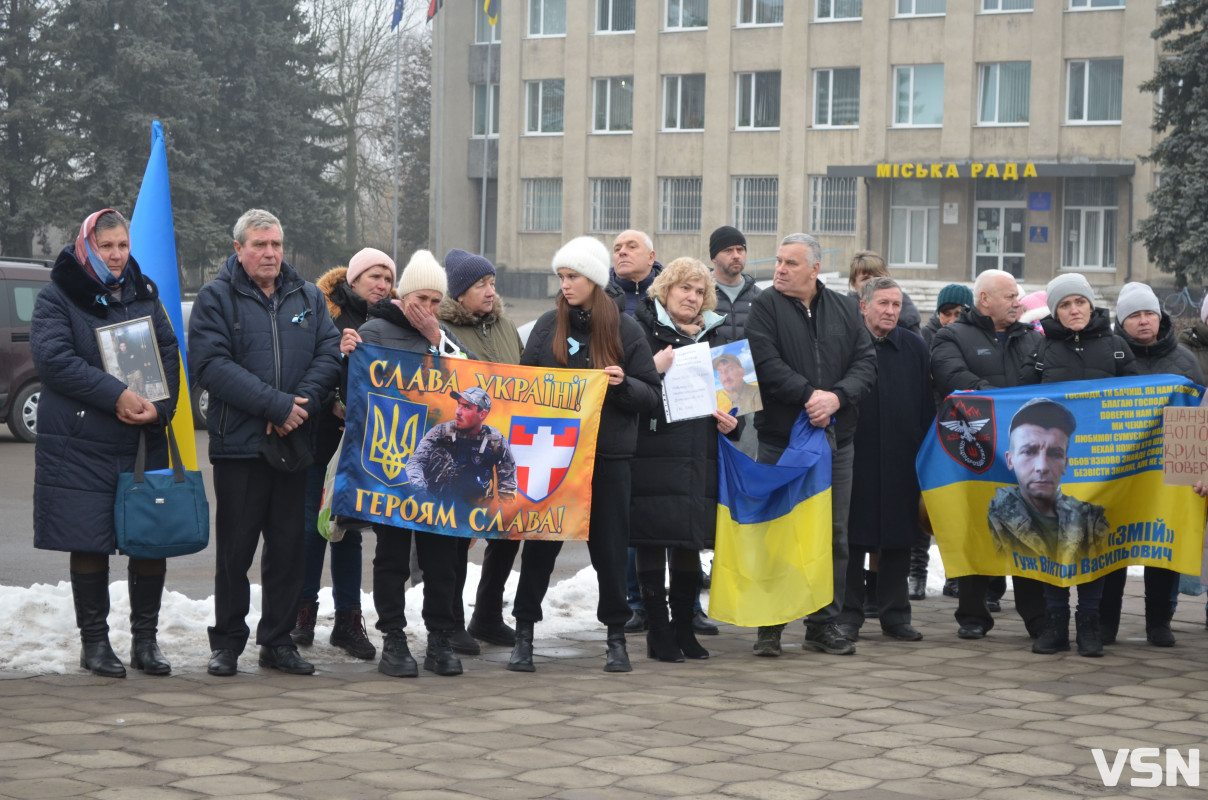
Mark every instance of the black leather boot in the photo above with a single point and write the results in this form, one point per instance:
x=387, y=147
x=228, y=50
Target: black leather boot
x=1086, y=623
x=349, y=634
x=660, y=638
x=397, y=661
x=1157, y=623
x=303, y=633
x=920, y=558
x=440, y=658
x=616, y=658
x=1056, y=634
x=146, y=592
x=91, y=595
x=522, y=651
x=684, y=587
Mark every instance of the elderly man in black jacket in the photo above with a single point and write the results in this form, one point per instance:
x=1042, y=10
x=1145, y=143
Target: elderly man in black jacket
x=987, y=348
x=262, y=342
x=812, y=352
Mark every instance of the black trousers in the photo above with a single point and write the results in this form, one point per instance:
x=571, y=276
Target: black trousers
x=893, y=601
x=497, y=562
x=392, y=567
x=255, y=500
x=971, y=605
x=607, y=543
x=1159, y=584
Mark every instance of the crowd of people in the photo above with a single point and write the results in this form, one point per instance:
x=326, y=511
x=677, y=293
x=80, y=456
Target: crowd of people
x=269, y=346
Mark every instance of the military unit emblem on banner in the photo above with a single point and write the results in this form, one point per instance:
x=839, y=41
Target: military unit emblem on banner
x=395, y=428
x=966, y=430
x=543, y=449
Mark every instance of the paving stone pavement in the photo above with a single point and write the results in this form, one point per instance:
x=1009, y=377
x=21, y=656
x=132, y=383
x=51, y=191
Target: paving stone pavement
x=941, y=718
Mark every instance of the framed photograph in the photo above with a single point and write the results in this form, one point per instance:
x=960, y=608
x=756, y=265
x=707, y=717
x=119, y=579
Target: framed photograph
x=130, y=353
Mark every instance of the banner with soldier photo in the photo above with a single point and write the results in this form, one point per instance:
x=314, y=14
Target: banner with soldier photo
x=1060, y=482
x=468, y=448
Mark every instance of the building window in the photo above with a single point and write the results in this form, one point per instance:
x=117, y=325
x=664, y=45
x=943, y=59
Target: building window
x=756, y=207
x=544, y=106
x=1080, y=5
x=836, y=97
x=679, y=205
x=614, y=105
x=758, y=100
x=920, y=95
x=833, y=205
x=609, y=204
x=760, y=12
x=1096, y=89
x=484, y=31
x=1089, y=239
x=838, y=9
x=1003, y=6
x=615, y=16
x=486, y=106
x=922, y=8
x=687, y=14
x=1005, y=93
x=547, y=17
x=684, y=103
x=914, y=223
x=542, y=212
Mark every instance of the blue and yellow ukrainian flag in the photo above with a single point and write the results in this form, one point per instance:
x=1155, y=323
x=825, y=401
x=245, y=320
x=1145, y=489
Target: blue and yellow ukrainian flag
x=153, y=245
x=772, y=558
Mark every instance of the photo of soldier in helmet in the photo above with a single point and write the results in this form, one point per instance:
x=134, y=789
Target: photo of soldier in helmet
x=1035, y=517
x=464, y=460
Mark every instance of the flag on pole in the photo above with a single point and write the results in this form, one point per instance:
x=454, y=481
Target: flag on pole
x=153, y=245
x=398, y=14
x=433, y=7
x=491, y=7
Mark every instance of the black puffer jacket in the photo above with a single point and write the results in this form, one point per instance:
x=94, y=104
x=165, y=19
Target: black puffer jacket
x=638, y=393
x=797, y=350
x=674, y=501
x=1089, y=354
x=254, y=362
x=736, y=312
x=1165, y=355
x=627, y=293
x=82, y=446
x=968, y=355
x=929, y=331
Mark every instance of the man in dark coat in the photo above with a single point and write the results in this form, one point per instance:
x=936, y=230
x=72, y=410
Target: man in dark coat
x=812, y=352
x=634, y=268
x=988, y=348
x=735, y=292
x=263, y=344
x=894, y=418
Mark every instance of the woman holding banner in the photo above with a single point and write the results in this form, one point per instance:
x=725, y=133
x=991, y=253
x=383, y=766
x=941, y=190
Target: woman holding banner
x=1078, y=345
x=586, y=330
x=89, y=423
x=674, y=505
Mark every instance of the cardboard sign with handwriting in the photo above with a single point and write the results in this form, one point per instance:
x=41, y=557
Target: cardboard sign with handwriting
x=1184, y=445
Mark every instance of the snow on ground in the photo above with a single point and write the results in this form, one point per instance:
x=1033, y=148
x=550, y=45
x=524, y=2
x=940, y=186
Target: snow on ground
x=38, y=633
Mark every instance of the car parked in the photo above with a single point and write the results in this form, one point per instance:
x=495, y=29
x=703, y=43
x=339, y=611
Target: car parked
x=20, y=281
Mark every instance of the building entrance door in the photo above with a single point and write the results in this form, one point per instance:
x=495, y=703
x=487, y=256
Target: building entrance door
x=999, y=237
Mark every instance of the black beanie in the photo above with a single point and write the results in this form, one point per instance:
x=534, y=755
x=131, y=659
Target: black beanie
x=723, y=237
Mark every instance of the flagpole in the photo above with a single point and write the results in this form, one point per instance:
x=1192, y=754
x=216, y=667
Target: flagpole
x=398, y=40
x=486, y=138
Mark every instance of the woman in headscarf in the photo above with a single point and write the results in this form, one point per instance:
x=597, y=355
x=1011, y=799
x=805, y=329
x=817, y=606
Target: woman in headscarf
x=88, y=431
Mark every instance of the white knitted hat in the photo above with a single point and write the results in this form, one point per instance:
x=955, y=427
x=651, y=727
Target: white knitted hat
x=423, y=271
x=587, y=256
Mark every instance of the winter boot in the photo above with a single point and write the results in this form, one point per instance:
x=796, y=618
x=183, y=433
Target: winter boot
x=145, y=594
x=616, y=658
x=396, y=660
x=440, y=658
x=91, y=595
x=920, y=558
x=767, y=641
x=1157, y=623
x=491, y=631
x=522, y=652
x=684, y=587
x=1086, y=623
x=660, y=639
x=872, y=608
x=349, y=634
x=303, y=633
x=1056, y=634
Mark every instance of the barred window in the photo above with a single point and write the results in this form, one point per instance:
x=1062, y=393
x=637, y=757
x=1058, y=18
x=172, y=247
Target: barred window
x=833, y=205
x=756, y=208
x=609, y=205
x=542, y=210
x=679, y=205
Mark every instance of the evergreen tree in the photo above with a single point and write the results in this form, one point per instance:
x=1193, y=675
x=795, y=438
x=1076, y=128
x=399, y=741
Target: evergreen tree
x=1176, y=234
x=415, y=136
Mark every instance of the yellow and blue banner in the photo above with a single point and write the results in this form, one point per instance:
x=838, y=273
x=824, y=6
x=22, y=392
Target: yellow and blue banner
x=772, y=555
x=1060, y=482
x=153, y=245
x=468, y=448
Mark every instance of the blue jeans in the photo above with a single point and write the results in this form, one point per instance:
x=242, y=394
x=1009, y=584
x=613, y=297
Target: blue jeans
x=345, y=554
